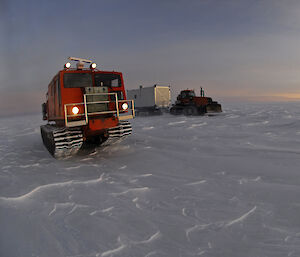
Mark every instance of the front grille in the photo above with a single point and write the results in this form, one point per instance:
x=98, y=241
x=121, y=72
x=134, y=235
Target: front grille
x=92, y=99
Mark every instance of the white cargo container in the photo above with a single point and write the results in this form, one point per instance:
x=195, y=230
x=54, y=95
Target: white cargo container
x=150, y=100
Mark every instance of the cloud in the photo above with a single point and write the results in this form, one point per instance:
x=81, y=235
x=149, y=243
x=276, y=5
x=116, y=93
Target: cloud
x=250, y=47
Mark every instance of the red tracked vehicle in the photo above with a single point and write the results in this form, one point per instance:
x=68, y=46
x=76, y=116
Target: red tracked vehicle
x=189, y=104
x=85, y=104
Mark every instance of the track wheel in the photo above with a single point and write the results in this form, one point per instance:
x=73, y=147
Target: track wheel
x=191, y=110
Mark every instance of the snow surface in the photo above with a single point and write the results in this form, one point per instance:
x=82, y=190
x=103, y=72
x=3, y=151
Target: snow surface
x=227, y=185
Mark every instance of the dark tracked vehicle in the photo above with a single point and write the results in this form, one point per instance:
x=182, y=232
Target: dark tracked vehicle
x=189, y=104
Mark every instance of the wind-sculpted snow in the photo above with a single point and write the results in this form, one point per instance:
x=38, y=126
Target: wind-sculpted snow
x=216, y=186
x=240, y=219
x=42, y=191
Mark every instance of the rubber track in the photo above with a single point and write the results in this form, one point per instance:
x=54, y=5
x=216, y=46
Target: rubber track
x=118, y=133
x=61, y=142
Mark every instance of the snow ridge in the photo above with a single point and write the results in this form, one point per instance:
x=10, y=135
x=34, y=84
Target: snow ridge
x=113, y=251
x=240, y=219
x=151, y=238
x=195, y=228
x=138, y=189
x=196, y=183
x=53, y=186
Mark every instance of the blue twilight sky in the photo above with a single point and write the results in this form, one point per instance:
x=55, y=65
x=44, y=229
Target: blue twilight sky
x=235, y=49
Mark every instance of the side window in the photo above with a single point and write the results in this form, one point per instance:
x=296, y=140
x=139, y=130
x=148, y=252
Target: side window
x=58, y=94
x=53, y=93
x=51, y=99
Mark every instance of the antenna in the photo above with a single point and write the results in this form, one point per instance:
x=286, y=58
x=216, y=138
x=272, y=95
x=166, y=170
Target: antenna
x=76, y=59
x=201, y=92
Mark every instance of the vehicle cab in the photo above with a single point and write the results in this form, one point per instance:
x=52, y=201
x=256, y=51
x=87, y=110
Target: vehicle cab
x=89, y=97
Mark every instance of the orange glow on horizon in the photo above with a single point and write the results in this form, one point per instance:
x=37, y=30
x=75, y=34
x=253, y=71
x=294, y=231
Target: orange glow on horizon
x=292, y=96
x=247, y=96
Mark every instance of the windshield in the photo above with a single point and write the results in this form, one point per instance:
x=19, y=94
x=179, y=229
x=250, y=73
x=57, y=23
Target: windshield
x=107, y=80
x=187, y=94
x=77, y=80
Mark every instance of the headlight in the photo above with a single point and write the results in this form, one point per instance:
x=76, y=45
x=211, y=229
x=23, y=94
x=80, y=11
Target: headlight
x=67, y=65
x=93, y=65
x=75, y=110
x=125, y=106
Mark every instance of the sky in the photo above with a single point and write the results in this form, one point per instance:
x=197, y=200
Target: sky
x=237, y=50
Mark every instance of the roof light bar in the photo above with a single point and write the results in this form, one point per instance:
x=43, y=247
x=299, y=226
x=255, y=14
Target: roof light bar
x=79, y=59
x=79, y=65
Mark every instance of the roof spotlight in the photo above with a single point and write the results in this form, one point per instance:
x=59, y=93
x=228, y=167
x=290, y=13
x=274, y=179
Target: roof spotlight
x=67, y=65
x=93, y=65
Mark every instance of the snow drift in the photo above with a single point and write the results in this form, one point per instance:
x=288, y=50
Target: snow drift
x=226, y=185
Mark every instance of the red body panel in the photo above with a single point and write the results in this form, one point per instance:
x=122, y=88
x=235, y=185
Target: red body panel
x=197, y=100
x=97, y=125
x=200, y=101
x=58, y=96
